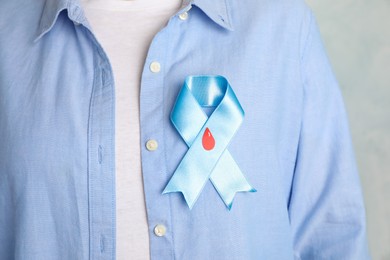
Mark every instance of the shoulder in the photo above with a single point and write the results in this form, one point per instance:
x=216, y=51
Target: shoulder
x=283, y=19
x=284, y=12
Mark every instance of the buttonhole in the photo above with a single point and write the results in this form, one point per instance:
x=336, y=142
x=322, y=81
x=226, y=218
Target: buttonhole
x=101, y=243
x=100, y=154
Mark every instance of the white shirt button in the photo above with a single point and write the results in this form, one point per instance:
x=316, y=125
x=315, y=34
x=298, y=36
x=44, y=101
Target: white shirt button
x=183, y=16
x=160, y=230
x=151, y=145
x=155, y=67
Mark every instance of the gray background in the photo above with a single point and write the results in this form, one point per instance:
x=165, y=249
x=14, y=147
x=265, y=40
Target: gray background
x=356, y=34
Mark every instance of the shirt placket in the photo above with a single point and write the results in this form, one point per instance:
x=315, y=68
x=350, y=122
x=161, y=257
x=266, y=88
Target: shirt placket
x=101, y=174
x=153, y=149
x=101, y=148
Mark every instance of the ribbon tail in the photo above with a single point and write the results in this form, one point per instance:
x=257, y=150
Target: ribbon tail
x=189, y=196
x=228, y=179
x=189, y=182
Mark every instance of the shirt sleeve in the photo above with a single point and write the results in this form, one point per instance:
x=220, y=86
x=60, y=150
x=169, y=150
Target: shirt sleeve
x=326, y=208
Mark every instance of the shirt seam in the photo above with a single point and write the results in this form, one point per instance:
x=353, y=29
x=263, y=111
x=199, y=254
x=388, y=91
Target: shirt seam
x=165, y=145
x=227, y=8
x=101, y=53
x=307, y=37
x=306, y=46
x=90, y=184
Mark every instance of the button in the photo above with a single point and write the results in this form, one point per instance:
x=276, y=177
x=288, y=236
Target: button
x=151, y=145
x=155, y=67
x=160, y=230
x=183, y=16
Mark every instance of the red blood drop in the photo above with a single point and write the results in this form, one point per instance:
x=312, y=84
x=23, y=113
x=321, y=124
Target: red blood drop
x=208, y=140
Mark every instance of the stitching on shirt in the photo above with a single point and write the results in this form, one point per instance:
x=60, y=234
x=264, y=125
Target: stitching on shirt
x=165, y=145
x=97, y=48
x=112, y=141
x=90, y=124
x=307, y=43
x=227, y=8
x=112, y=164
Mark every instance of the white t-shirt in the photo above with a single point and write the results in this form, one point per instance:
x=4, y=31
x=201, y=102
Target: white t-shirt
x=125, y=30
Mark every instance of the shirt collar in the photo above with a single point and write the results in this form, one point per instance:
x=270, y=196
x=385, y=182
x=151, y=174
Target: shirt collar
x=217, y=10
x=53, y=8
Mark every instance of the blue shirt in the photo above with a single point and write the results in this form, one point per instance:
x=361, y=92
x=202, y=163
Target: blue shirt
x=57, y=186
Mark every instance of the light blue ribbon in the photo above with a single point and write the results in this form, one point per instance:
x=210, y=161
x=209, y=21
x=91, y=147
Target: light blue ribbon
x=190, y=120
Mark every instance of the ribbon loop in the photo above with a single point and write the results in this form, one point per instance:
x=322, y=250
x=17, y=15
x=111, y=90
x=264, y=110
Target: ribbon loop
x=207, y=138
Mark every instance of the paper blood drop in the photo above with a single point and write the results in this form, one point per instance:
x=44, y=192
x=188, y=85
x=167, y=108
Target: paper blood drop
x=208, y=140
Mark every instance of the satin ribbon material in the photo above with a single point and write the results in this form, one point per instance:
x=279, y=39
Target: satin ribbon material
x=200, y=94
